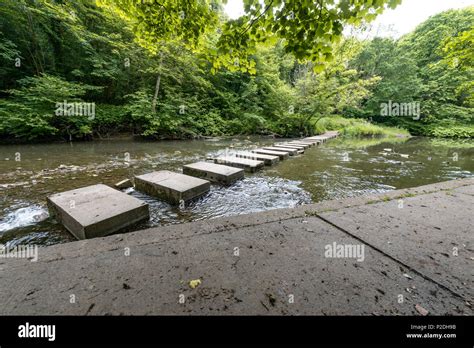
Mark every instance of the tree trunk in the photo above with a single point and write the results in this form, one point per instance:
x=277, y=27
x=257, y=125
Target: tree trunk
x=157, y=86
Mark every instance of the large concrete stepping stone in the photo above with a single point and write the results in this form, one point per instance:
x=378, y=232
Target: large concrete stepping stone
x=214, y=172
x=299, y=146
x=247, y=164
x=172, y=187
x=282, y=155
x=96, y=211
x=300, y=143
x=291, y=152
x=321, y=138
x=311, y=141
x=289, y=146
x=331, y=134
x=267, y=159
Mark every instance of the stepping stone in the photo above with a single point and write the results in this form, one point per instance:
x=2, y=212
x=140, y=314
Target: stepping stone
x=291, y=152
x=312, y=141
x=172, y=187
x=214, y=172
x=267, y=159
x=332, y=134
x=280, y=154
x=96, y=211
x=289, y=146
x=309, y=144
x=247, y=164
x=304, y=145
x=319, y=137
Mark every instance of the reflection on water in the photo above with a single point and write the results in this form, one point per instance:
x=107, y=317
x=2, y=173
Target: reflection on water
x=339, y=168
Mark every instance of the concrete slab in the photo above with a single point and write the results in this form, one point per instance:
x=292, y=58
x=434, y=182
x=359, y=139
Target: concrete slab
x=267, y=159
x=96, y=211
x=431, y=233
x=289, y=146
x=279, y=259
x=304, y=145
x=467, y=190
x=332, y=134
x=311, y=141
x=247, y=164
x=280, y=154
x=317, y=138
x=171, y=187
x=291, y=152
x=214, y=172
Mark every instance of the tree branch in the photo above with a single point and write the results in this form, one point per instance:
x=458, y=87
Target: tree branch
x=256, y=19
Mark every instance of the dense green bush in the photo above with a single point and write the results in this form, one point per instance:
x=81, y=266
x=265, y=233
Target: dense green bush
x=30, y=112
x=75, y=51
x=433, y=66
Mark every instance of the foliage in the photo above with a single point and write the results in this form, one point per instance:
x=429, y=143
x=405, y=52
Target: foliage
x=309, y=29
x=30, y=113
x=432, y=66
x=167, y=70
x=334, y=90
x=355, y=128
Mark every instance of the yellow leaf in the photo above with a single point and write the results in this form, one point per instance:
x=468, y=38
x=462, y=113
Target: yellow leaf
x=194, y=283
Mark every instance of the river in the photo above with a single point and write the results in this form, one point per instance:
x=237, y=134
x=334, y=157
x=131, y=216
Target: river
x=337, y=169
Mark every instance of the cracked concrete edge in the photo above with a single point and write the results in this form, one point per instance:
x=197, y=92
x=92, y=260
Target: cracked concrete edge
x=219, y=225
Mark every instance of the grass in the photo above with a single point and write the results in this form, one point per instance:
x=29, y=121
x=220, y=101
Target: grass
x=354, y=127
x=451, y=131
x=453, y=143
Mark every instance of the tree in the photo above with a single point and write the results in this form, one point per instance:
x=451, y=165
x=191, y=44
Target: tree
x=431, y=65
x=398, y=73
x=332, y=91
x=308, y=28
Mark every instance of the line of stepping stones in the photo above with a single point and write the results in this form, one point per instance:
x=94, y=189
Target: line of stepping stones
x=99, y=210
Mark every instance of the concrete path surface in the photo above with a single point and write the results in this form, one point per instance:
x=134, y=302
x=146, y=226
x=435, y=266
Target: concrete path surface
x=405, y=252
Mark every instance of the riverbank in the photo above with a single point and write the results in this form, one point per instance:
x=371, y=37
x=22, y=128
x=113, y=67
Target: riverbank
x=417, y=255
x=338, y=169
x=350, y=127
x=359, y=128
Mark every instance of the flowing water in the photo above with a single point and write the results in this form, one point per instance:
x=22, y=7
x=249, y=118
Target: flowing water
x=339, y=168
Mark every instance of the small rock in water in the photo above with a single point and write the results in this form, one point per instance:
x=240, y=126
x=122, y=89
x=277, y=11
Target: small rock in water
x=388, y=150
x=407, y=276
x=404, y=155
x=124, y=184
